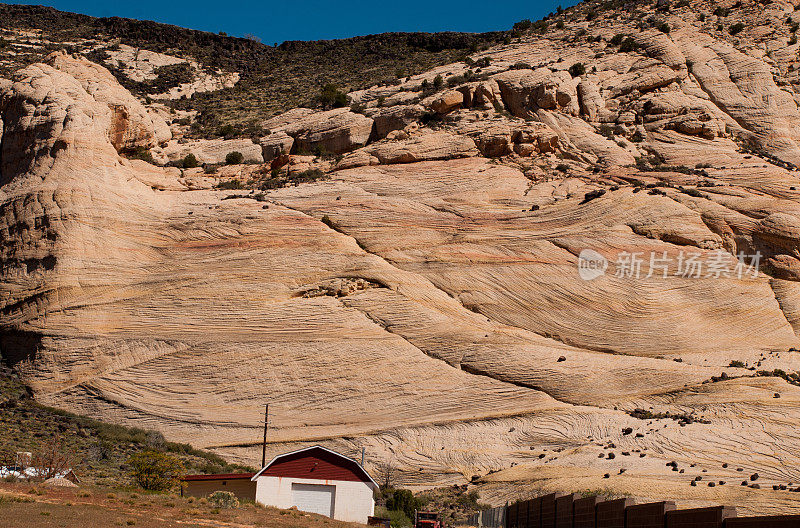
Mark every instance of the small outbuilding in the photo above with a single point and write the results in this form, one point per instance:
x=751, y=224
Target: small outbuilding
x=240, y=484
x=317, y=480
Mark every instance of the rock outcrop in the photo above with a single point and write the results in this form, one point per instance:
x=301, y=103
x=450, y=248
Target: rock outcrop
x=583, y=236
x=212, y=151
x=333, y=131
x=132, y=125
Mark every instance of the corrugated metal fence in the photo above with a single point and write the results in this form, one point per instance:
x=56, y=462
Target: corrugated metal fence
x=493, y=518
x=557, y=510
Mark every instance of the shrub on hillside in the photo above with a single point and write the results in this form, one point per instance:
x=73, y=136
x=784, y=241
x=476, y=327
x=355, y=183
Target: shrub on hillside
x=190, y=161
x=628, y=44
x=403, y=500
x=223, y=499
x=577, y=69
x=522, y=25
x=736, y=28
x=234, y=158
x=331, y=97
x=155, y=471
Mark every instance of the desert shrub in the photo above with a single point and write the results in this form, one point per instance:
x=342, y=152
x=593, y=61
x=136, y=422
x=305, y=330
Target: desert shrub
x=793, y=40
x=229, y=185
x=560, y=24
x=628, y=44
x=663, y=27
x=736, y=363
x=540, y=26
x=562, y=167
x=155, y=471
x=234, y=158
x=616, y=40
x=171, y=76
x=397, y=519
x=606, y=130
x=403, y=500
x=438, y=81
x=331, y=97
x=523, y=25
x=471, y=501
x=226, y=131
x=223, y=499
x=591, y=15
x=521, y=66
x=736, y=28
x=143, y=154
x=190, y=161
x=577, y=69
x=694, y=193
x=483, y=62
x=722, y=11
x=591, y=195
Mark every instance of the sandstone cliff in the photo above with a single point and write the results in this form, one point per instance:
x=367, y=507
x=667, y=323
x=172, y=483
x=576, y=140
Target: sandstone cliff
x=424, y=299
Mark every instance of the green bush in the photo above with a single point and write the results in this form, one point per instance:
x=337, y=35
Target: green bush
x=223, y=499
x=404, y=501
x=577, y=69
x=234, y=158
x=628, y=44
x=438, y=81
x=397, y=519
x=226, y=131
x=229, y=185
x=190, y=161
x=736, y=28
x=155, y=471
x=522, y=25
x=331, y=97
x=143, y=154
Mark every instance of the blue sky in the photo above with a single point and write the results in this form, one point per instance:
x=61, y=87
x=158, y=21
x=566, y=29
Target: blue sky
x=276, y=21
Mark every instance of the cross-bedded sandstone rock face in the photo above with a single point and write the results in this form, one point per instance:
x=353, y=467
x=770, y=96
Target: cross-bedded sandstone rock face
x=425, y=300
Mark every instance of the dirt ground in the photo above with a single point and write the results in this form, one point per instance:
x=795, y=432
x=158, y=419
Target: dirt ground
x=26, y=506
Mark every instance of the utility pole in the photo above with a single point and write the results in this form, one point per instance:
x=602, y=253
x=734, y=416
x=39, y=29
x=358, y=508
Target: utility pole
x=264, y=444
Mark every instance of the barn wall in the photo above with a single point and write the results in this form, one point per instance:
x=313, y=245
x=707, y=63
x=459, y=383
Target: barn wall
x=353, y=501
x=242, y=488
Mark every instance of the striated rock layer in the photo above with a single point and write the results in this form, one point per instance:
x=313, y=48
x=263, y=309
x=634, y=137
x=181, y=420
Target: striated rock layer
x=424, y=301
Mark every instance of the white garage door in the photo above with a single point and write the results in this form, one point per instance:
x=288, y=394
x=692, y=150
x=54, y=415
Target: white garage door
x=314, y=498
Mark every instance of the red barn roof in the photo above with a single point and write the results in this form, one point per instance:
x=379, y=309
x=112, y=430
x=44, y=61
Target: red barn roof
x=219, y=476
x=317, y=463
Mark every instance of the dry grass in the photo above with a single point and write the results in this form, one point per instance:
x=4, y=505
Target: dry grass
x=22, y=506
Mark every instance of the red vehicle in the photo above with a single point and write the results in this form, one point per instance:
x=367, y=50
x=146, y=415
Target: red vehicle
x=423, y=519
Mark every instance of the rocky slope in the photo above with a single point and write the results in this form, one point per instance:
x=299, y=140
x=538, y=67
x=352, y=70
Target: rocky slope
x=423, y=299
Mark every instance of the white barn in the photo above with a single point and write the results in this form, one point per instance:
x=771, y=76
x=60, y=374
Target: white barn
x=317, y=480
